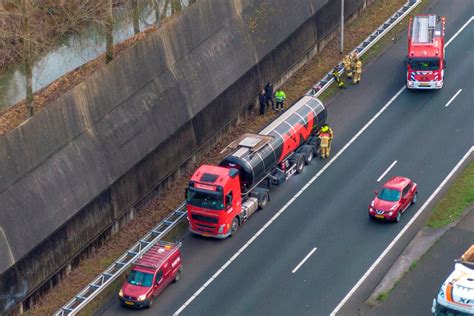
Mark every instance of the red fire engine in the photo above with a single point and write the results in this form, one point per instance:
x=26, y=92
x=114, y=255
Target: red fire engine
x=221, y=198
x=425, y=60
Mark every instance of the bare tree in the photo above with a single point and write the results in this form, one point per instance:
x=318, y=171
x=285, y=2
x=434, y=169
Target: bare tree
x=109, y=37
x=28, y=28
x=135, y=16
x=176, y=6
x=27, y=53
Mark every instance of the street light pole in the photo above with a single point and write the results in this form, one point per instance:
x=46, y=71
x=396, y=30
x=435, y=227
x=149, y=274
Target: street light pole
x=342, y=27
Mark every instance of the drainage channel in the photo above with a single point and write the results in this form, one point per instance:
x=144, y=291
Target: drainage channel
x=88, y=293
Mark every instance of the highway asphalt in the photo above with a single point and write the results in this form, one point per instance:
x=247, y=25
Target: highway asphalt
x=425, y=137
x=426, y=278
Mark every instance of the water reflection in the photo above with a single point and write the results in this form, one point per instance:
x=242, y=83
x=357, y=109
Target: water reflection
x=78, y=49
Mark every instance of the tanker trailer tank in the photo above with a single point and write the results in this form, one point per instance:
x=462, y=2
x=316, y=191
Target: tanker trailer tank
x=221, y=198
x=280, y=149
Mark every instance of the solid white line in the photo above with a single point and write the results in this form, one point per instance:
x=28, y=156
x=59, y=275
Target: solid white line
x=304, y=260
x=454, y=96
x=400, y=234
x=459, y=31
x=386, y=171
x=251, y=240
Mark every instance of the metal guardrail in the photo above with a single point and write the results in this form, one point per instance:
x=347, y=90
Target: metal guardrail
x=94, y=288
x=328, y=79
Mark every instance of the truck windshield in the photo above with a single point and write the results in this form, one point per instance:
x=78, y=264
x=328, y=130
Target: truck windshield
x=389, y=195
x=140, y=278
x=205, y=199
x=424, y=63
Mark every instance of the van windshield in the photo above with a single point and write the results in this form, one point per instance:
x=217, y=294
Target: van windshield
x=424, y=63
x=205, y=199
x=140, y=278
x=389, y=195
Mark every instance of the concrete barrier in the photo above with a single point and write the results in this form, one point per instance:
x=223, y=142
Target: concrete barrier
x=72, y=171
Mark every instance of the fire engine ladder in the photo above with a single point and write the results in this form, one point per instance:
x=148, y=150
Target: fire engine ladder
x=94, y=288
x=423, y=29
x=322, y=85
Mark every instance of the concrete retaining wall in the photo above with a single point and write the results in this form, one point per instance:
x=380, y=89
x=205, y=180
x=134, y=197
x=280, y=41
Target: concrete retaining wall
x=76, y=168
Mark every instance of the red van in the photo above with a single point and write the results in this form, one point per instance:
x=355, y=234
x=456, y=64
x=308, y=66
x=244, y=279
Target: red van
x=151, y=274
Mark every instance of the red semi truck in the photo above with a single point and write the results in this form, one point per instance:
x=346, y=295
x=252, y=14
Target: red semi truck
x=221, y=198
x=426, y=59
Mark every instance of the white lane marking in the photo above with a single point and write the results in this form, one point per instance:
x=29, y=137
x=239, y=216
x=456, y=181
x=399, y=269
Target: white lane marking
x=459, y=31
x=251, y=240
x=372, y=267
x=386, y=171
x=304, y=260
x=452, y=99
x=254, y=237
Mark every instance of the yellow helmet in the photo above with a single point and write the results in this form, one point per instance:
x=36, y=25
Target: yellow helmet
x=325, y=128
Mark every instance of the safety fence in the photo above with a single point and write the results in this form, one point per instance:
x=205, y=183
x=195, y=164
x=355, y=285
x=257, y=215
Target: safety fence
x=364, y=46
x=88, y=293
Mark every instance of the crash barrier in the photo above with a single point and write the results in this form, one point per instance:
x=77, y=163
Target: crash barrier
x=74, y=171
x=116, y=269
x=324, y=83
x=123, y=263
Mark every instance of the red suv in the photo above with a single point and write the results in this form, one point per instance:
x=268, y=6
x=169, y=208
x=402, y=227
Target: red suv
x=396, y=195
x=150, y=275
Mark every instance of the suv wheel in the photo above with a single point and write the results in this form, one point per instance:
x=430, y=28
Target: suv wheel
x=399, y=216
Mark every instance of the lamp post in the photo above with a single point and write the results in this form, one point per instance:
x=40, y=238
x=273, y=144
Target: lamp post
x=342, y=27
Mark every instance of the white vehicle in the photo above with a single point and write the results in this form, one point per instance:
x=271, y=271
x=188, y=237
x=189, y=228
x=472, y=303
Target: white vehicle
x=456, y=296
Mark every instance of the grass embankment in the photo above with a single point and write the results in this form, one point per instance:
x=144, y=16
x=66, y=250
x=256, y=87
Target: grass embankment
x=158, y=207
x=458, y=197
x=378, y=48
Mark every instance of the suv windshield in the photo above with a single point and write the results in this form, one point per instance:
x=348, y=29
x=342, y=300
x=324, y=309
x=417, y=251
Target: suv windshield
x=424, y=64
x=389, y=195
x=140, y=278
x=205, y=199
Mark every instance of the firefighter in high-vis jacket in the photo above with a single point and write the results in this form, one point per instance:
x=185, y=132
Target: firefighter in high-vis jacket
x=357, y=71
x=347, y=65
x=326, y=135
x=337, y=77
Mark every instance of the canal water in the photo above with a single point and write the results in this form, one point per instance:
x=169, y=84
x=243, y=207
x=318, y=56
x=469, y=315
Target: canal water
x=78, y=49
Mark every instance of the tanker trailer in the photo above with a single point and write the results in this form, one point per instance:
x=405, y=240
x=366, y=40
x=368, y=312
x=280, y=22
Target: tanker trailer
x=220, y=198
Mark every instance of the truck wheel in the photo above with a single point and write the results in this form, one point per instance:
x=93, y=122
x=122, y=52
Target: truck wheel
x=299, y=164
x=234, y=227
x=263, y=201
x=309, y=154
x=177, y=276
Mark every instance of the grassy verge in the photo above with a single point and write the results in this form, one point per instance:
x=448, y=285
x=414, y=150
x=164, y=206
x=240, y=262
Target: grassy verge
x=458, y=197
x=377, y=49
x=382, y=297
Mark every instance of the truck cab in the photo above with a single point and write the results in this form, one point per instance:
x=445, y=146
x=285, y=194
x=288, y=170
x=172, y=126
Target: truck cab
x=213, y=200
x=151, y=274
x=426, y=54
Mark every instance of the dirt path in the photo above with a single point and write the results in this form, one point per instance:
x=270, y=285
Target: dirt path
x=150, y=213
